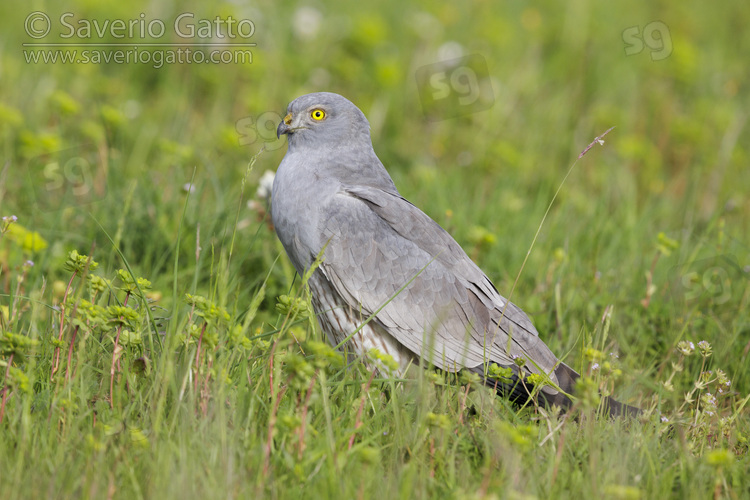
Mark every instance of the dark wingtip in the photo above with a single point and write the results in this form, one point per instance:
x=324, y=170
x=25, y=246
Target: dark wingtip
x=566, y=378
x=617, y=409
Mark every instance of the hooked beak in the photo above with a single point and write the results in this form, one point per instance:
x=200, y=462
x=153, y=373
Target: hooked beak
x=285, y=126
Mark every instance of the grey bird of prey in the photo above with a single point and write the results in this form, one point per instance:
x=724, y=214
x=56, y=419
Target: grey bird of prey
x=387, y=261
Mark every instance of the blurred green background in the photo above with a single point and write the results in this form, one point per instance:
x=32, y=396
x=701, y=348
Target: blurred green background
x=654, y=222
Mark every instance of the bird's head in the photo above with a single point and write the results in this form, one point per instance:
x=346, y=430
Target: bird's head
x=324, y=120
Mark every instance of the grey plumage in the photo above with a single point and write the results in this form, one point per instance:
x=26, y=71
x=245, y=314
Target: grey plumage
x=383, y=255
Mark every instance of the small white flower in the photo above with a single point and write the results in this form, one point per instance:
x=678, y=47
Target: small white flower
x=712, y=398
x=595, y=366
x=306, y=22
x=685, y=347
x=265, y=185
x=188, y=188
x=450, y=50
x=664, y=419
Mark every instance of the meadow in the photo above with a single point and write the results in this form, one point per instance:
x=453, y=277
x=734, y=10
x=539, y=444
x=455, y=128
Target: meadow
x=156, y=343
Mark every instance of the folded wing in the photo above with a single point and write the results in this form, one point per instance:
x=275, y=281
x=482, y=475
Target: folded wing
x=388, y=257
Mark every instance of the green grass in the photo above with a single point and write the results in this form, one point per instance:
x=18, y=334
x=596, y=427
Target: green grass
x=231, y=393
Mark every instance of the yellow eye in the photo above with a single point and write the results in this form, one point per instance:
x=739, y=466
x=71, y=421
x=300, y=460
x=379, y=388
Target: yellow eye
x=318, y=114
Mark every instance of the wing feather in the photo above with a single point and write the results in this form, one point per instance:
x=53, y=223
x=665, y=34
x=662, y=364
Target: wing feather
x=448, y=311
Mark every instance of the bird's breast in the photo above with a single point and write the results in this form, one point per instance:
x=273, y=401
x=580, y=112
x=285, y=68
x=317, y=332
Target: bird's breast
x=297, y=201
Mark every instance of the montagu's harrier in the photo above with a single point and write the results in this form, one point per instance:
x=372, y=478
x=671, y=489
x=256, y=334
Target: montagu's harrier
x=387, y=261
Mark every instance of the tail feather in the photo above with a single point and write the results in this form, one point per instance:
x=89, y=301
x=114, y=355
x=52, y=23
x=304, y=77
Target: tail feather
x=617, y=409
x=566, y=378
